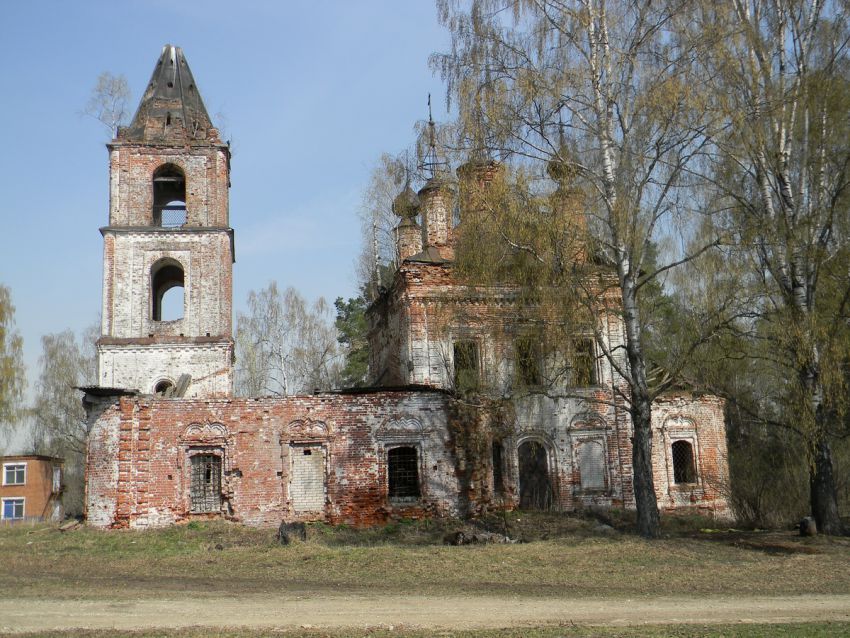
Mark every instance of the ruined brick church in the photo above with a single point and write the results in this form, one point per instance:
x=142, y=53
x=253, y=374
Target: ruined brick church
x=169, y=441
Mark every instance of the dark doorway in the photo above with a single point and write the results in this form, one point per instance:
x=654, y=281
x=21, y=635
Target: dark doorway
x=535, y=488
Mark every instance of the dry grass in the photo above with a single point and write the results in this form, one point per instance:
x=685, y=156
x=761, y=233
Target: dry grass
x=219, y=558
x=814, y=630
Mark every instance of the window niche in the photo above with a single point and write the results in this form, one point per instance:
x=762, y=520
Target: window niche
x=590, y=455
x=169, y=197
x=167, y=290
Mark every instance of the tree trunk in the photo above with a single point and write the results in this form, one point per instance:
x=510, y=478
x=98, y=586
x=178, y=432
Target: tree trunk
x=823, y=495
x=824, y=500
x=649, y=524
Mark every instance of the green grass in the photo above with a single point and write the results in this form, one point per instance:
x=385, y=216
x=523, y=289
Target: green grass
x=408, y=557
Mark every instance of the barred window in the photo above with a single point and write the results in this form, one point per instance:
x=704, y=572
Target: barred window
x=206, y=483
x=684, y=468
x=403, y=473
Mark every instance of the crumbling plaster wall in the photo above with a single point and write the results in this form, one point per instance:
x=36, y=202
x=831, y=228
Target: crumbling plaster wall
x=142, y=363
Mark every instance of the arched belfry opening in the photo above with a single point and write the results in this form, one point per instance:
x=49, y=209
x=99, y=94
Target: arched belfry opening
x=169, y=196
x=167, y=281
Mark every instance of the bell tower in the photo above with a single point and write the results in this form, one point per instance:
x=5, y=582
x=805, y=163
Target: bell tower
x=168, y=250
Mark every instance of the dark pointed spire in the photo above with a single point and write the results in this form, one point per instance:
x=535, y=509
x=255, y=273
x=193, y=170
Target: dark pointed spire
x=171, y=109
x=431, y=163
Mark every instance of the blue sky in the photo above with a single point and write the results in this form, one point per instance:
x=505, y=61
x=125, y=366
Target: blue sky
x=312, y=93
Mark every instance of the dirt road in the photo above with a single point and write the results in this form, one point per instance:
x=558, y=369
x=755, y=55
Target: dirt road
x=457, y=612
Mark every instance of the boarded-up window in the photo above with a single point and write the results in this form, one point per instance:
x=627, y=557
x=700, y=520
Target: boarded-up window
x=684, y=469
x=403, y=473
x=527, y=362
x=591, y=464
x=307, y=481
x=583, y=363
x=466, y=365
x=205, y=491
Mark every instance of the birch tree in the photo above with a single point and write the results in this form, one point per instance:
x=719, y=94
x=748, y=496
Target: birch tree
x=285, y=345
x=12, y=374
x=782, y=86
x=59, y=426
x=608, y=91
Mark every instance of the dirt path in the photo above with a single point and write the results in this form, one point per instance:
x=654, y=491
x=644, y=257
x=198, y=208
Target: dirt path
x=456, y=612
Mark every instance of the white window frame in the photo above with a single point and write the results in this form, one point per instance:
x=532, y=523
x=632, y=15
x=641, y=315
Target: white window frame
x=3, y=502
x=15, y=464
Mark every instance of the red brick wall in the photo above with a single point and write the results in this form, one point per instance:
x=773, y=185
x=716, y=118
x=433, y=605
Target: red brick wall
x=139, y=470
x=37, y=489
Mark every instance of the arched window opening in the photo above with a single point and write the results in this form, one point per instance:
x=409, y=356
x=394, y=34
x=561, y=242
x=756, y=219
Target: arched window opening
x=163, y=388
x=167, y=290
x=169, y=197
x=591, y=464
x=403, y=473
x=535, y=488
x=684, y=468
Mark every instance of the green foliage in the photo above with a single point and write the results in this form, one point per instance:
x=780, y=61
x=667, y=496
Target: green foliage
x=12, y=379
x=352, y=330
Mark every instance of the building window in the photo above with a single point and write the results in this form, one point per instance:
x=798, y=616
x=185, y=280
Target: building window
x=591, y=465
x=13, y=509
x=583, y=363
x=498, y=468
x=403, y=473
x=169, y=197
x=466, y=365
x=167, y=290
x=14, y=473
x=527, y=362
x=684, y=468
x=206, y=483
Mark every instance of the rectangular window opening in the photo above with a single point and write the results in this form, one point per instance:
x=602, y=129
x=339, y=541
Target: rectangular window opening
x=498, y=471
x=466, y=365
x=13, y=509
x=14, y=473
x=403, y=473
x=583, y=363
x=527, y=362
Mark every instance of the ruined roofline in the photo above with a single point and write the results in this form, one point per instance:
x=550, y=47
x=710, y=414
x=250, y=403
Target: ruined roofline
x=171, y=110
